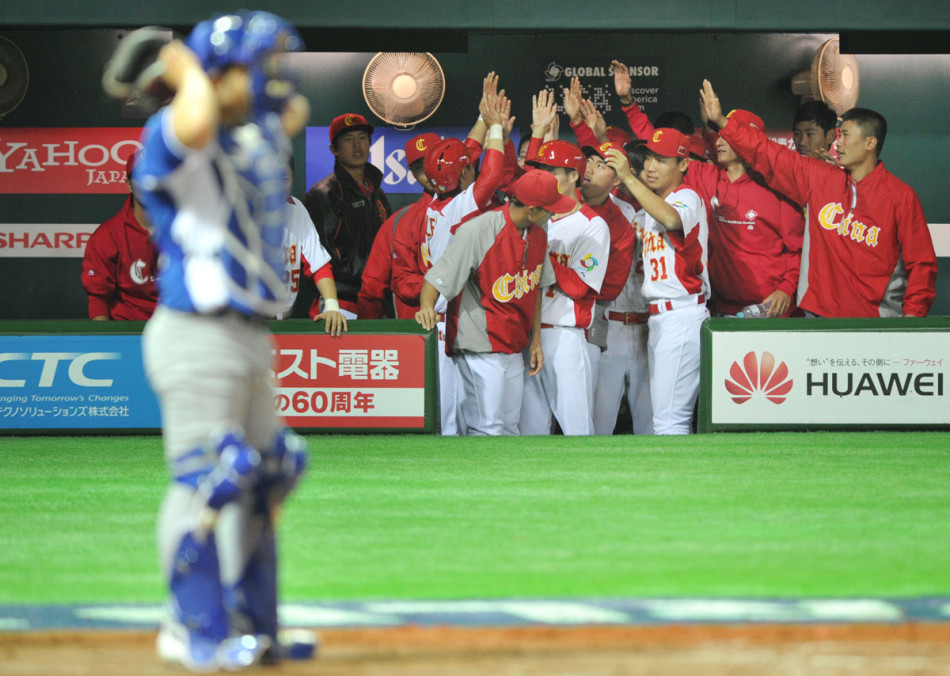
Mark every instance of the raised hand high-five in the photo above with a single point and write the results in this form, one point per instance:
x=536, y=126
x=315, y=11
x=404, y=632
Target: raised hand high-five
x=572, y=100
x=711, y=108
x=622, y=82
x=543, y=112
x=594, y=119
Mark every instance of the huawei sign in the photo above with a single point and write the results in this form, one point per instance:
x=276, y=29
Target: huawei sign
x=758, y=375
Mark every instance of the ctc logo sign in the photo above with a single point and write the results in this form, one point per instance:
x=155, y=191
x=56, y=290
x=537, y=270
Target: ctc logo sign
x=51, y=360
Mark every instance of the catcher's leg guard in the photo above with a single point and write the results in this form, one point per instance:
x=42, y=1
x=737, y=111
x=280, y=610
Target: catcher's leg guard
x=195, y=586
x=197, y=637
x=200, y=635
x=252, y=599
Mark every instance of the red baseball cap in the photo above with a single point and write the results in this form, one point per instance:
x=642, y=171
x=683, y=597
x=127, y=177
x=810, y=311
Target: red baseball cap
x=618, y=135
x=746, y=117
x=667, y=142
x=539, y=188
x=560, y=154
x=348, y=122
x=417, y=146
x=697, y=146
x=602, y=148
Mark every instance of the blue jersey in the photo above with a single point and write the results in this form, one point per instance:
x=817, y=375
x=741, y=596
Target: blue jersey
x=219, y=215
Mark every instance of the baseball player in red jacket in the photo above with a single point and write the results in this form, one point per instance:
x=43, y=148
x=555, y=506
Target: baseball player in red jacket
x=409, y=232
x=119, y=263
x=494, y=271
x=755, y=235
x=867, y=249
x=386, y=262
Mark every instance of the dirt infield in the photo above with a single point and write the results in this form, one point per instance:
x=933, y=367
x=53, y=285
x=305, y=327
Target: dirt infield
x=919, y=649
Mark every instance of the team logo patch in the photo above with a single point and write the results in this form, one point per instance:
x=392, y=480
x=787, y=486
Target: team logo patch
x=657, y=135
x=679, y=205
x=588, y=262
x=421, y=144
x=751, y=214
x=349, y=120
x=137, y=272
x=759, y=375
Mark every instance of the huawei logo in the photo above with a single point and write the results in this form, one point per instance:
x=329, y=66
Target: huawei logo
x=756, y=375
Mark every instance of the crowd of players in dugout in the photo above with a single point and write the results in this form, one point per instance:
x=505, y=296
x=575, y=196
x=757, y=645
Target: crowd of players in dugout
x=647, y=232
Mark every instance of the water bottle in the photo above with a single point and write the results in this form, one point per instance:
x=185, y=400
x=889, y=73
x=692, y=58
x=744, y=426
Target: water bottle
x=757, y=311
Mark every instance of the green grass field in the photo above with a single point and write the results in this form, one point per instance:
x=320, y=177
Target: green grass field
x=420, y=517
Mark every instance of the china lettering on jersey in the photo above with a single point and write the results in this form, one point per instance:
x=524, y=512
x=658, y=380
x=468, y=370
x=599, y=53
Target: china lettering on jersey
x=847, y=226
x=508, y=287
x=675, y=261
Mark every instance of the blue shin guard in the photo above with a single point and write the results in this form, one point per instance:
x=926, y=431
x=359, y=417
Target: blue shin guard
x=252, y=601
x=196, y=589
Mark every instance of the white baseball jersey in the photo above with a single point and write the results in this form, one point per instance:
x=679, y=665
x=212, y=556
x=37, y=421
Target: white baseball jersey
x=581, y=241
x=631, y=297
x=301, y=243
x=443, y=216
x=674, y=261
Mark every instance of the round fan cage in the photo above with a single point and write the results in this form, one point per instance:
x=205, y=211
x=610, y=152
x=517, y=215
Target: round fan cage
x=14, y=76
x=403, y=88
x=833, y=78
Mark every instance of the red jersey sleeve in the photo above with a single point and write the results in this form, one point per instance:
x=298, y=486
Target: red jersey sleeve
x=377, y=273
x=783, y=169
x=638, y=121
x=407, y=238
x=534, y=145
x=585, y=135
x=917, y=250
x=99, y=274
x=569, y=281
x=489, y=177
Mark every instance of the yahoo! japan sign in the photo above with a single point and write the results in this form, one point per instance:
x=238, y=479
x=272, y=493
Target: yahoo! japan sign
x=386, y=152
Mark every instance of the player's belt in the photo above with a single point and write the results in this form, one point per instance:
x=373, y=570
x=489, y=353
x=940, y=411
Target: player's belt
x=628, y=318
x=660, y=306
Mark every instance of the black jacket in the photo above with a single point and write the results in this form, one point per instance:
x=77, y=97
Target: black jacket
x=347, y=221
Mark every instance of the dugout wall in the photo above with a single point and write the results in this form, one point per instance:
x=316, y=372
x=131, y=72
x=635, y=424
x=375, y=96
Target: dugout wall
x=746, y=49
